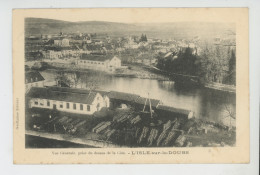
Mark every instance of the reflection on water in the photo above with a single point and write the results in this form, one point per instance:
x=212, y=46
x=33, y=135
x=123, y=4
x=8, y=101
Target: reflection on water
x=206, y=103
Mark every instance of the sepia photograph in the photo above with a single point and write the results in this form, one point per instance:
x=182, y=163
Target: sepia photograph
x=98, y=84
x=129, y=85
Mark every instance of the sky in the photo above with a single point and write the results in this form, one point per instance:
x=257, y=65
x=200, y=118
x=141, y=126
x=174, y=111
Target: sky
x=136, y=15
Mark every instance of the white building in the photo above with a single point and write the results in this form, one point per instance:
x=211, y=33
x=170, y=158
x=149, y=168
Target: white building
x=33, y=79
x=62, y=42
x=99, y=62
x=67, y=100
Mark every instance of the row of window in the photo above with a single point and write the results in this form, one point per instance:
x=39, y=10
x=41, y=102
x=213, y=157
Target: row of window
x=27, y=86
x=32, y=80
x=61, y=105
x=91, y=62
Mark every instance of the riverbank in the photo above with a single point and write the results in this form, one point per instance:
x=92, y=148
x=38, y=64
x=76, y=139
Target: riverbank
x=147, y=72
x=195, y=80
x=220, y=87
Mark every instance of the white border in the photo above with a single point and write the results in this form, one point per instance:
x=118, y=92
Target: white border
x=6, y=158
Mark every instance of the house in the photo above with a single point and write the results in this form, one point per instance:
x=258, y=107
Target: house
x=67, y=99
x=51, y=54
x=32, y=56
x=33, y=79
x=62, y=42
x=99, y=62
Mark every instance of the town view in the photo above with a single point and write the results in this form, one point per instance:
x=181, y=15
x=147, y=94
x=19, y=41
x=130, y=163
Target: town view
x=106, y=84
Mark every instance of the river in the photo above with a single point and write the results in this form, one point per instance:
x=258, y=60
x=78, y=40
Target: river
x=208, y=104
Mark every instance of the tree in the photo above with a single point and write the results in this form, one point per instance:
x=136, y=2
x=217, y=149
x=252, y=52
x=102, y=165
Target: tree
x=61, y=77
x=230, y=114
x=74, y=76
x=143, y=38
x=232, y=68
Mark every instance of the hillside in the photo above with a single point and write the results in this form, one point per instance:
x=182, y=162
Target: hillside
x=34, y=26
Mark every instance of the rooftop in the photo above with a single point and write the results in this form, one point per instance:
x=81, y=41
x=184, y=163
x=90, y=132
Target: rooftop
x=123, y=96
x=62, y=94
x=172, y=109
x=96, y=57
x=141, y=100
x=33, y=76
x=76, y=90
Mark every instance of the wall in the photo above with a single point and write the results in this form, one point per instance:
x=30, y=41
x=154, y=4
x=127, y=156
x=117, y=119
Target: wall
x=87, y=64
x=34, y=84
x=42, y=103
x=115, y=62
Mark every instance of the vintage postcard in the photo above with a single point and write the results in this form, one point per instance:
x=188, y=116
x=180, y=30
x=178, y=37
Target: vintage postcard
x=130, y=85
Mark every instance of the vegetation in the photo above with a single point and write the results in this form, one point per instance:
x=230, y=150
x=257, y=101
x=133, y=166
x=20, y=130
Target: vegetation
x=214, y=64
x=143, y=38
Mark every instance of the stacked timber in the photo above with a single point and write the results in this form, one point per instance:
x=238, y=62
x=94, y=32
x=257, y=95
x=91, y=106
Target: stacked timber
x=161, y=137
x=62, y=119
x=143, y=134
x=176, y=124
x=101, y=126
x=65, y=122
x=80, y=123
x=172, y=134
x=169, y=139
x=98, y=125
x=76, y=121
x=153, y=135
x=110, y=133
x=189, y=144
x=122, y=119
x=137, y=132
x=180, y=141
x=167, y=125
x=135, y=120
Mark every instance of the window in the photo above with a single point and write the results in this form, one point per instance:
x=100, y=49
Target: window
x=61, y=105
x=36, y=102
x=36, y=84
x=68, y=105
x=48, y=103
x=74, y=106
x=84, y=61
x=41, y=102
x=88, y=107
x=81, y=106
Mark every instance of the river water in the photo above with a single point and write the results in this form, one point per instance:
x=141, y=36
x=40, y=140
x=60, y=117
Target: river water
x=208, y=104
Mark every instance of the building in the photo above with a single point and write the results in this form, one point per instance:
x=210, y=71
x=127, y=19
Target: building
x=33, y=79
x=62, y=42
x=99, y=62
x=171, y=112
x=51, y=54
x=67, y=99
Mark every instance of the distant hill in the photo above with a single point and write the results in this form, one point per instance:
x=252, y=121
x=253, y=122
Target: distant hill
x=34, y=26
